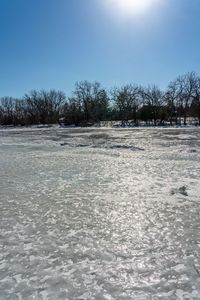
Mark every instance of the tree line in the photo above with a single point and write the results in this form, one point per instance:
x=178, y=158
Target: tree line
x=90, y=104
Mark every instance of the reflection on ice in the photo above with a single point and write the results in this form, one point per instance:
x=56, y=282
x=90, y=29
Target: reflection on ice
x=100, y=221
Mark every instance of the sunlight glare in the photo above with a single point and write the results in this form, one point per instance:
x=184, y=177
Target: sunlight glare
x=133, y=7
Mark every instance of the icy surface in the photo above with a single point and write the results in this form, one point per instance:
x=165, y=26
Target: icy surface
x=100, y=214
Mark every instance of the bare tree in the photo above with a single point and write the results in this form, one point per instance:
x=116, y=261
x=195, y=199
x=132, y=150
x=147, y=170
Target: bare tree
x=186, y=85
x=44, y=107
x=127, y=101
x=195, y=104
x=72, y=112
x=92, y=99
x=154, y=98
x=174, y=102
x=7, y=109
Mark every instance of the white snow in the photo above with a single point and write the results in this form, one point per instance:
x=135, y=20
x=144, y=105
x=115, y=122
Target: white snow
x=98, y=214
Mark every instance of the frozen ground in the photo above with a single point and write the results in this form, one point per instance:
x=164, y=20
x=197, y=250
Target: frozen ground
x=100, y=214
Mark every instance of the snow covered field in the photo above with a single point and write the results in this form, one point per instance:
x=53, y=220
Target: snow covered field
x=100, y=214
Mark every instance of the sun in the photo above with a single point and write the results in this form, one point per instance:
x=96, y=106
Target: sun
x=137, y=5
x=131, y=7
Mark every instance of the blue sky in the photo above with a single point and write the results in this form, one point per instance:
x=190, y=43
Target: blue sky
x=54, y=43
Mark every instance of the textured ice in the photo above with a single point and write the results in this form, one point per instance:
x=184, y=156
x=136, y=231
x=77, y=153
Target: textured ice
x=90, y=214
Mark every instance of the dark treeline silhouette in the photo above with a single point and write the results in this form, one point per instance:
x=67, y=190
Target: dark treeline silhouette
x=90, y=104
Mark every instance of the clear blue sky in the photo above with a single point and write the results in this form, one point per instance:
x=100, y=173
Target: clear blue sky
x=54, y=43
